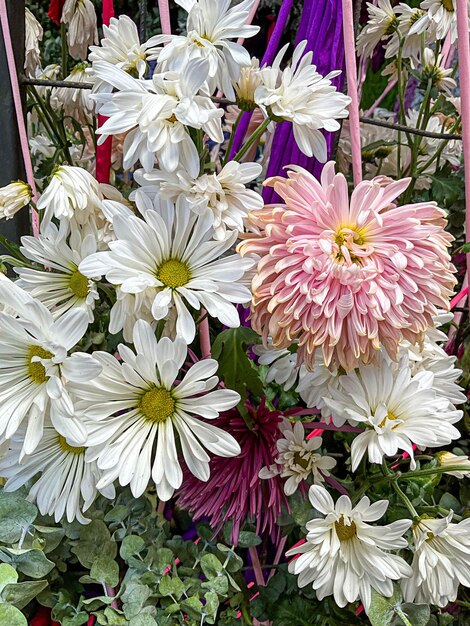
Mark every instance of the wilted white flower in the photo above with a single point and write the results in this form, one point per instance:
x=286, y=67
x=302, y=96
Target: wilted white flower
x=407, y=18
x=382, y=23
x=33, y=35
x=71, y=193
x=447, y=459
x=299, y=459
x=282, y=363
x=210, y=27
x=344, y=556
x=441, y=561
x=75, y=102
x=443, y=18
x=434, y=71
x=14, y=197
x=300, y=95
x=245, y=87
x=80, y=17
x=224, y=193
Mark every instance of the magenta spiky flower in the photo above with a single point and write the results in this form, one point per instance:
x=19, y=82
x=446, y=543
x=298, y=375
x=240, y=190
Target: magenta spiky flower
x=234, y=490
x=347, y=276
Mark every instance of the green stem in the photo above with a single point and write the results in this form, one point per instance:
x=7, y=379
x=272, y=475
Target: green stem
x=232, y=137
x=252, y=139
x=401, y=494
x=430, y=472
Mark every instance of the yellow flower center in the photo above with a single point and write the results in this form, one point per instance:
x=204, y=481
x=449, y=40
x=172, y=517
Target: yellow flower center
x=300, y=460
x=173, y=273
x=36, y=370
x=349, y=239
x=390, y=416
x=448, y=5
x=68, y=448
x=79, y=284
x=345, y=532
x=172, y=119
x=157, y=404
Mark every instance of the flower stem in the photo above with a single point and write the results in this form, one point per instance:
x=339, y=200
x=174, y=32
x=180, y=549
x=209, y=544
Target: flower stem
x=401, y=494
x=232, y=137
x=252, y=139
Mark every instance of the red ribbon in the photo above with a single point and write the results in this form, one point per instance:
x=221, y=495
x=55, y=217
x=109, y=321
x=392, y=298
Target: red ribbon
x=103, y=152
x=55, y=10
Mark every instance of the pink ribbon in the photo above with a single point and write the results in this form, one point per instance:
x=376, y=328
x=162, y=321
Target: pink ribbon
x=15, y=87
x=351, y=74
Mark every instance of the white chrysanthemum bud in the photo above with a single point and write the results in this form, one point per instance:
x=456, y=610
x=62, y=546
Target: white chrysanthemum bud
x=14, y=197
x=80, y=16
x=447, y=459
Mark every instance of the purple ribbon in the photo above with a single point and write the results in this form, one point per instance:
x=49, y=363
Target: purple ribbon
x=321, y=25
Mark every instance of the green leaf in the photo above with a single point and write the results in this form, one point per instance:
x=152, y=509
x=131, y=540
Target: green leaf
x=134, y=599
x=114, y=618
x=12, y=616
x=144, y=619
x=33, y=563
x=417, y=614
x=21, y=594
x=235, y=368
x=211, y=566
x=163, y=558
x=219, y=585
x=211, y=606
x=248, y=539
x=132, y=544
x=193, y=607
x=382, y=610
x=105, y=570
x=294, y=611
x=16, y=516
x=171, y=586
x=95, y=541
x=51, y=536
x=117, y=514
x=8, y=575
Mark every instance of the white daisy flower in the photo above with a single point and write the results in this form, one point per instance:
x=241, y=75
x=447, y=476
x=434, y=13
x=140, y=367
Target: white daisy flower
x=434, y=70
x=382, y=23
x=210, y=27
x=33, y=35
x=34, y=364
x=283, y=368
x=71, y=193
x=441, y=561
x=155, y=115
x=448, y=459
x=66, y=486
x=407, y=18
x=169, y=260
x=75, y=102
x=121, y=46
x=300, y=95
x=80, y=17
x=442, y=15
x=60, y=286
x=136, y=408
x=396, y=408
x=298, y=459
x=225, y=193
x=344, y=556
x=13, y=198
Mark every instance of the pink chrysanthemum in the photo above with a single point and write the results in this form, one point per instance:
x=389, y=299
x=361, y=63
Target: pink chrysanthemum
x=234, y=490
x=347, y=276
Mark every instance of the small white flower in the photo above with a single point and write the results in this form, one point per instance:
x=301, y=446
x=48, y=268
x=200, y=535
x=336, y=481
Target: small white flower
x=33, y=35
x=283, y=368
x=71, y=193
x=66, y=486
x=80, y=16
x=245, y=87
x=224, y=193
x=168, y=260
x=59, y=286
x=300, y=95
x=344, y=556
x=34, y=363
x=382, y=23
x=136, y=408
x=398, y=409
x=210, y=26
x=156, y=115
x=434, y=71
x=442, y=15
x=121, y=46
x=447, y=459
x=441, y=561
x=13, y=198
x=298, y=459
x=407, y=18
x=75, y=102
